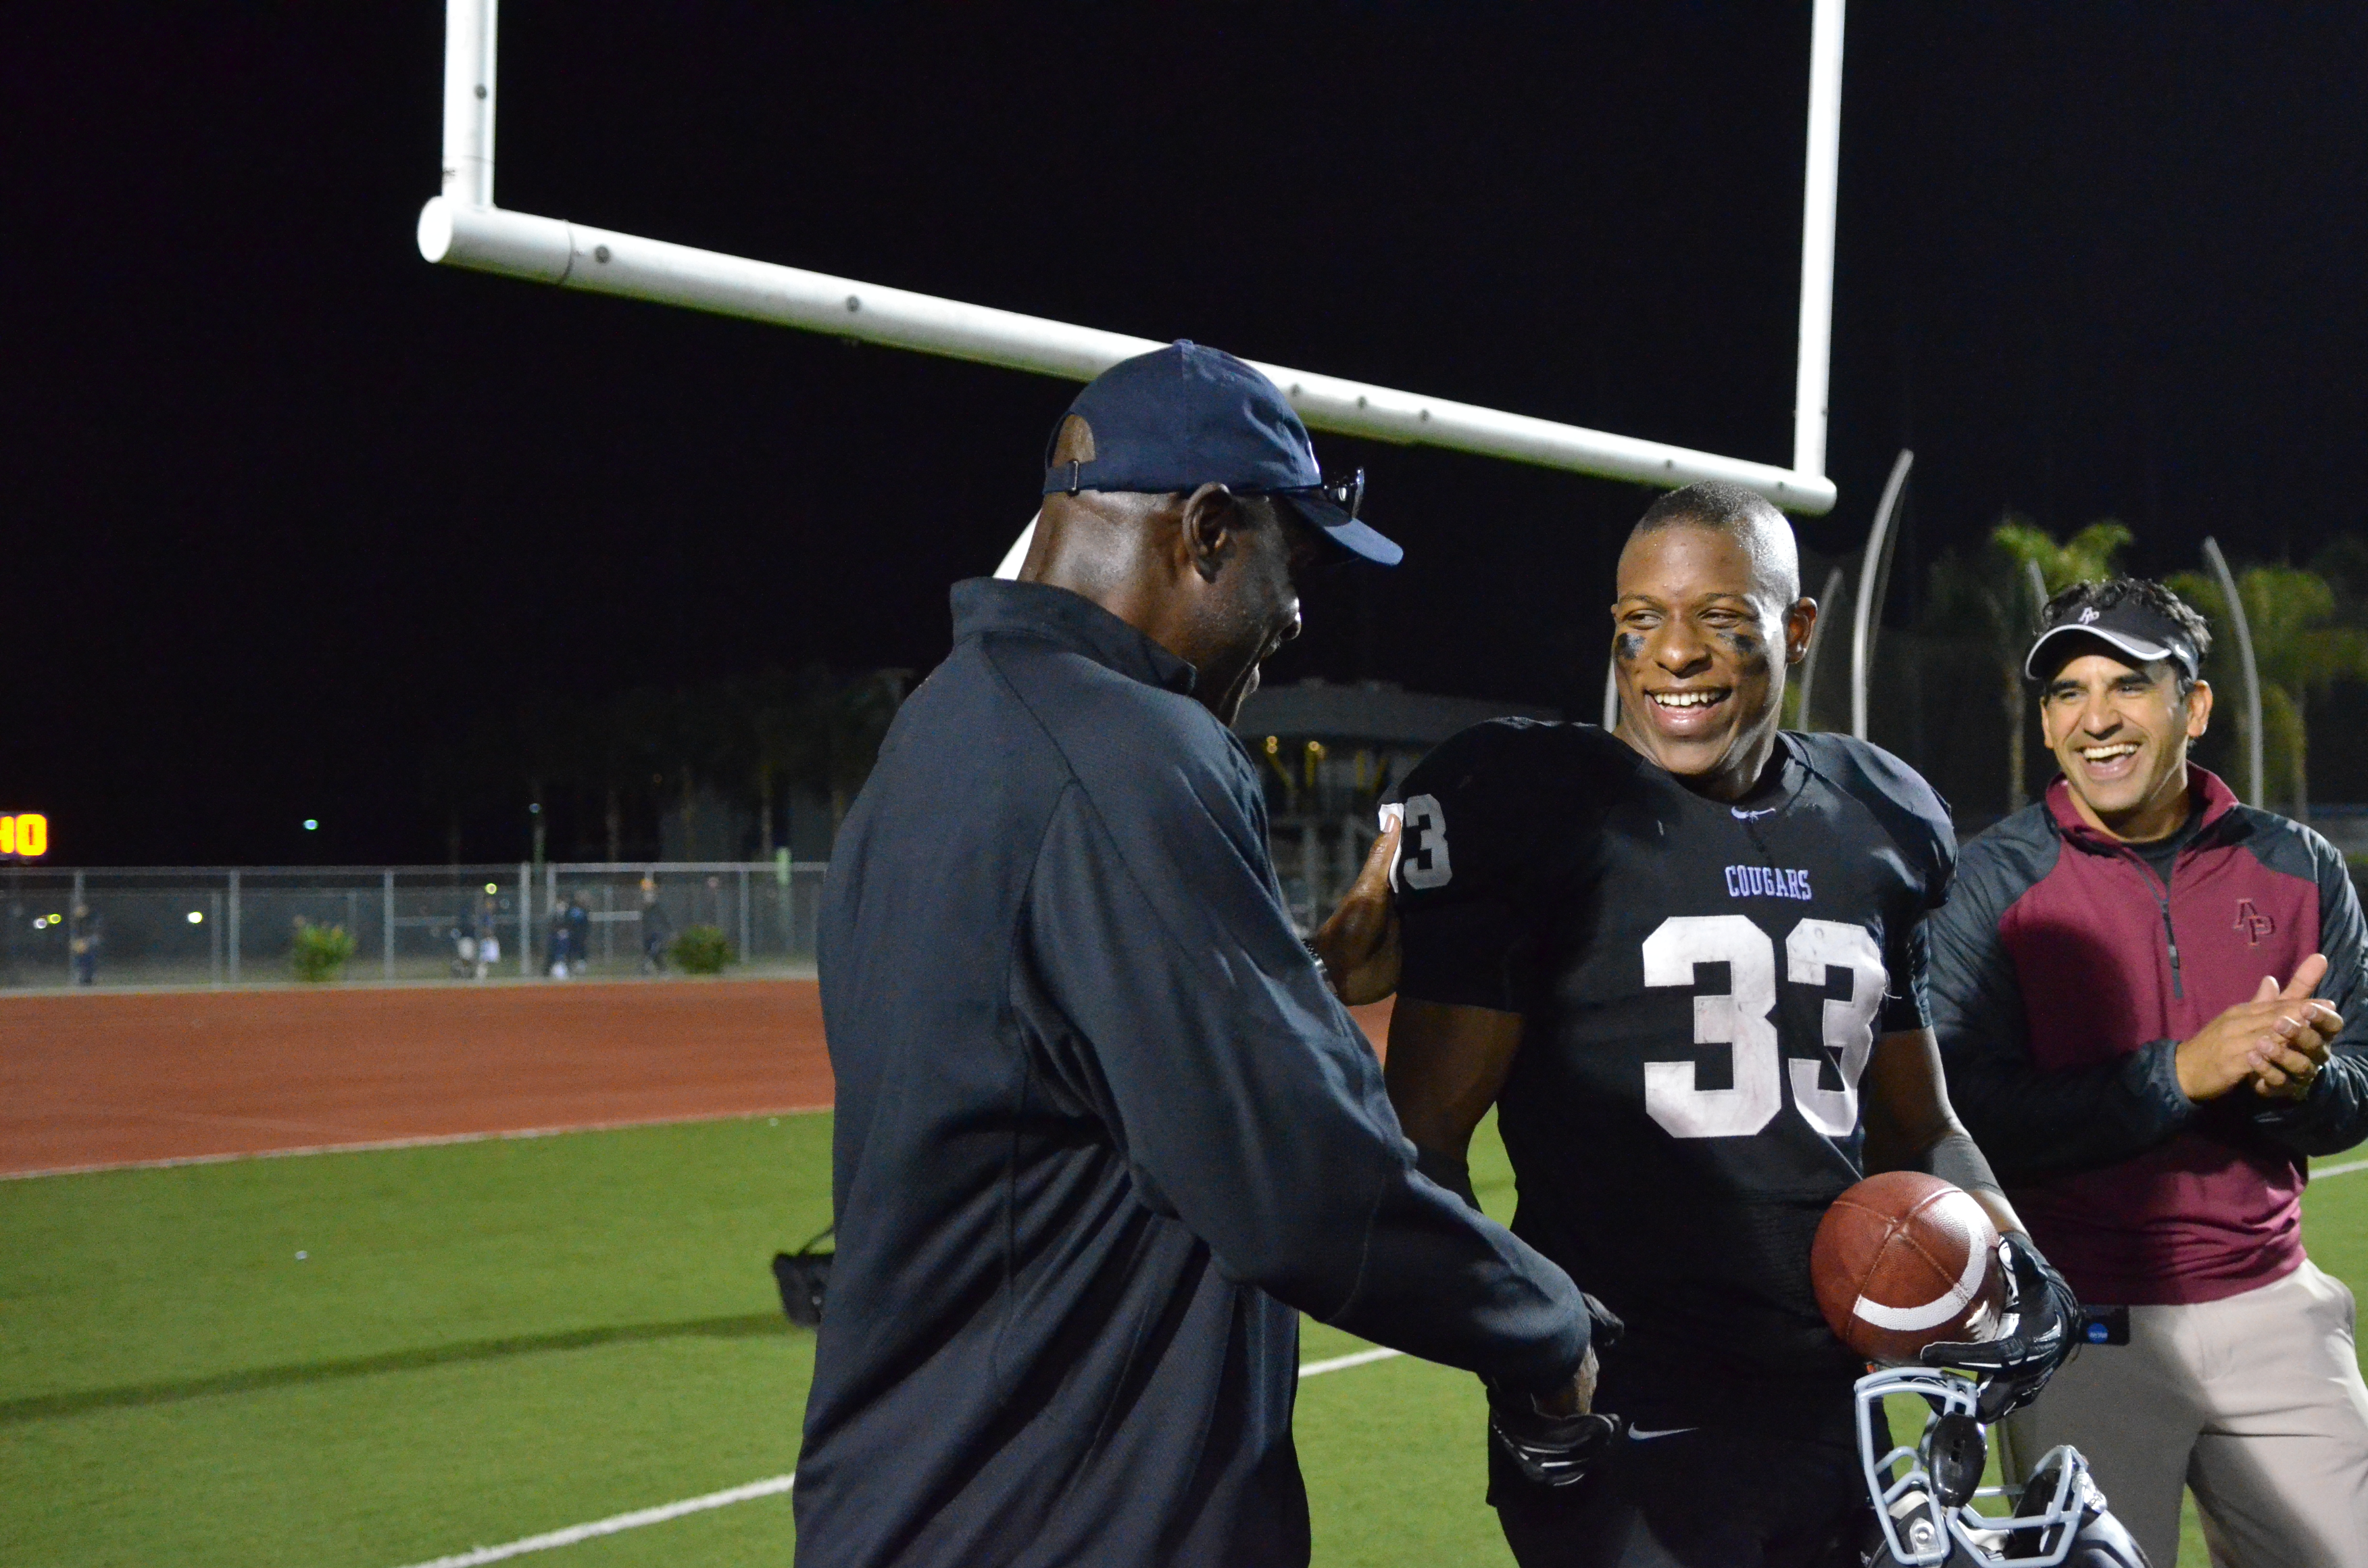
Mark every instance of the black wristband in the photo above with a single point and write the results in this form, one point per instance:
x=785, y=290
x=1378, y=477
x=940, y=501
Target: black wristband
x=1957, y=1159
x=1448, y=1171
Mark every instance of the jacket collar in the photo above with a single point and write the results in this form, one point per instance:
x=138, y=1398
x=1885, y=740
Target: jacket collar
x=988, y=605
x=2202, y=783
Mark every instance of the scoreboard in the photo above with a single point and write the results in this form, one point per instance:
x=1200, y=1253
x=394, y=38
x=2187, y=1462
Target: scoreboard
x=24, y=835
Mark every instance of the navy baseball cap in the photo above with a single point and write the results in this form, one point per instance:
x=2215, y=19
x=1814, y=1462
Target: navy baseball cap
x=1167, y=422
x=2129, y=627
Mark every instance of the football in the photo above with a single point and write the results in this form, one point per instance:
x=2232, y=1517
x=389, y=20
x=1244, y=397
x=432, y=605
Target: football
x=1904, y=1259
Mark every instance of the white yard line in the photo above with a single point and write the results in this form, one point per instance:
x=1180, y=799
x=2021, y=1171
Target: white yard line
x=430, y=1140
x=754, y=1490
x=610, y=1526
x=1342, y=1363
x=2344, y=1169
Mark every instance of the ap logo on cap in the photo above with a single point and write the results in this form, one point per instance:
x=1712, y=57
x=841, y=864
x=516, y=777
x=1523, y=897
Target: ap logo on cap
x=2087, y=616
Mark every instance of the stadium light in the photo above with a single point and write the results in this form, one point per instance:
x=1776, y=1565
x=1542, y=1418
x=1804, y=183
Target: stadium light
x=461, y=227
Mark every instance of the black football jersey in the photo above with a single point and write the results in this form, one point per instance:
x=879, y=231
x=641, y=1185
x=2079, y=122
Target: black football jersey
x=1702, y=982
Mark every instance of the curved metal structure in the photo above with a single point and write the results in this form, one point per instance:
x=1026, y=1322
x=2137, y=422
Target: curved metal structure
x=1873, y=576
x=2253, y=773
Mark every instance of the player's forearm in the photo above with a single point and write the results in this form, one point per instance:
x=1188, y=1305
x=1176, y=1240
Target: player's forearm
x=1910, y=1124
x=1445, y=1067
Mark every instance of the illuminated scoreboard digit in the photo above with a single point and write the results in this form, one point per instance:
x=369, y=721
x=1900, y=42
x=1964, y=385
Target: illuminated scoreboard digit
x=25, y=835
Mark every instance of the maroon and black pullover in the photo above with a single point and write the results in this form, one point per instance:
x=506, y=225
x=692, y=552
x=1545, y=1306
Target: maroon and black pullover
x=2064, y=974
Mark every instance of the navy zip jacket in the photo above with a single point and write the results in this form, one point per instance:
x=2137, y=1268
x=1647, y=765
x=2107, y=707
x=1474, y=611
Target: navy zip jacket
x=2064, y=974
x=1101, y=1133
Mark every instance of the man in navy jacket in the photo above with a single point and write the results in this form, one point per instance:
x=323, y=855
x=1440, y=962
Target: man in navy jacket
x=2123, y=983
x=1103, y=1129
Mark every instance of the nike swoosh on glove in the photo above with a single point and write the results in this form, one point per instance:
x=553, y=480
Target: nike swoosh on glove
x=2040, y=1337
x=1557, y=1451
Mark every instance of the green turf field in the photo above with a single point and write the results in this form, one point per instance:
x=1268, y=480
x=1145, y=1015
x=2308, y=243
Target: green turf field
x=484, y=1342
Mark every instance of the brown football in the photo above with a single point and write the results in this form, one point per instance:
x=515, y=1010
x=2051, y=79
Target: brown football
x=1904, y=1259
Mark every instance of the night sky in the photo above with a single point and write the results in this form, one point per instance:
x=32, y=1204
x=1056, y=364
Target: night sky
x=288, y=507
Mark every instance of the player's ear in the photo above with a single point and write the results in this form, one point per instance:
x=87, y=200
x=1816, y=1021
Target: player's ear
x=1209, y=530
x=2199, y=710
x=1799, y=622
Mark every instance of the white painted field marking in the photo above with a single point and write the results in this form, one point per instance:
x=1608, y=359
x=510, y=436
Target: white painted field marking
x=2344, y=1169
x=430, y=1141
x=635, y=1520
x=754, y=1489
x=1342, y=1363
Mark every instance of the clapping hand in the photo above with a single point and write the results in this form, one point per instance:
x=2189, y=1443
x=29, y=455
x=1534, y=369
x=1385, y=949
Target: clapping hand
x=2277, y=1041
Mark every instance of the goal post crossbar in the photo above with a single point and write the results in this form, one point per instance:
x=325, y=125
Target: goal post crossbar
x=463, y=227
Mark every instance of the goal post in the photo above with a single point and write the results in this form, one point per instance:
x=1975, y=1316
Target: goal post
x=463, y=227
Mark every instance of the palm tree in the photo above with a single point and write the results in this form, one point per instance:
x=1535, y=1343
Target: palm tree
x=2085, y=557
x=2298, y=652
x=1995, y=598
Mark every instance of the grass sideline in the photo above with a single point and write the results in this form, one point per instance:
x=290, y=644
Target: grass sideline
x=487, y=1341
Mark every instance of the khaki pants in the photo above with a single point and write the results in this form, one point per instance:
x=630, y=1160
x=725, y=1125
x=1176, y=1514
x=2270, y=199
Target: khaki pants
x=2255, y=1401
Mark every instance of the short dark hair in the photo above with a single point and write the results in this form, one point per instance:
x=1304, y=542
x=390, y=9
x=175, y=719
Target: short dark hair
x=2107, y=593
x=1730, y=508
x=1712, y=504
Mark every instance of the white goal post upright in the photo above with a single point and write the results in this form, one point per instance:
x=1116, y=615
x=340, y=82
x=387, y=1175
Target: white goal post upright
x=1820, y=188
x=463, y=227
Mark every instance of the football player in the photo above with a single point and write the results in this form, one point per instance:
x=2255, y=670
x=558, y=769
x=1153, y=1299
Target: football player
x=1685, y=960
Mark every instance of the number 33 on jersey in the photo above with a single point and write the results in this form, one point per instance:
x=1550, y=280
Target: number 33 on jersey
x=1716, y=966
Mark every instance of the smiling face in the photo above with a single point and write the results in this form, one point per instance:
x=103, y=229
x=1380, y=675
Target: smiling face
x=1701, y=634
x=1251, y=606
x=2121, y=736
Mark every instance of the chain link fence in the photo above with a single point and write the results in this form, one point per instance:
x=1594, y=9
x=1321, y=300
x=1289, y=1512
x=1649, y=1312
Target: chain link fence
x=238, y=925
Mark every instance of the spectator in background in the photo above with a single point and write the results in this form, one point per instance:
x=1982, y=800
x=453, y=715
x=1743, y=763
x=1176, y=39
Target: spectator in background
x=487, y=934
x=579, y=934
x=658, y=931
x=563, y=938
x=2123, y=985
x=84, y=934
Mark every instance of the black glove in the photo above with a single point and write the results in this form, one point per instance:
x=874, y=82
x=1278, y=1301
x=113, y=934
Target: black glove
x=1557, y=1451
x=2041, y=1335
x=1549, y=1451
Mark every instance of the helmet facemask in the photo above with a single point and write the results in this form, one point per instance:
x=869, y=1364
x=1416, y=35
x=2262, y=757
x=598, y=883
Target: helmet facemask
x=1926, y=1492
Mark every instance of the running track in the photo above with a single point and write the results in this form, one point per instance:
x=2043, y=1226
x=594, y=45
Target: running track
x=91, y=1080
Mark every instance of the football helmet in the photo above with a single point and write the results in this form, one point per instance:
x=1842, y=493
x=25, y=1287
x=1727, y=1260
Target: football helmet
x=1924, y=1492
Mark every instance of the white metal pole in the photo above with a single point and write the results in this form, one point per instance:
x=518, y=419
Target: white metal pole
x=1610, y=695
x=462, y=228
x=526, y=917
x=1865, y=622
x=550, y=250
x=2219, y=565
x=386, y=925
x=1016, y=556
x=470, y=26
x=231, y=939
x=1820, y=180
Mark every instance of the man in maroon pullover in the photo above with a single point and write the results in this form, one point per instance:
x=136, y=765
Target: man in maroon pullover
x=2151, y=1003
